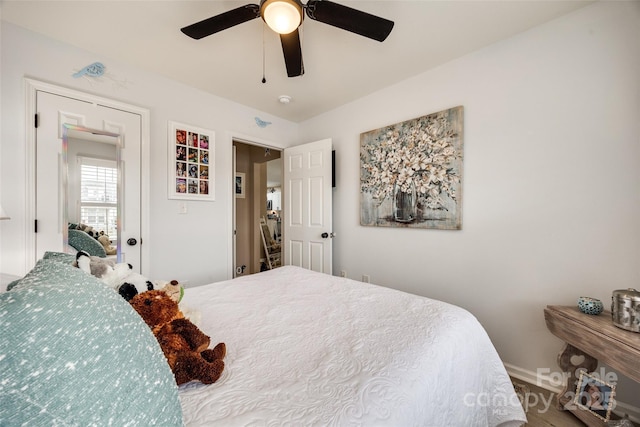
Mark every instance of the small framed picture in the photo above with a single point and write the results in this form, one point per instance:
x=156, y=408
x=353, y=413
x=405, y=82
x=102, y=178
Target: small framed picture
x=191, y=162
x=240, y=184
x=595, y=396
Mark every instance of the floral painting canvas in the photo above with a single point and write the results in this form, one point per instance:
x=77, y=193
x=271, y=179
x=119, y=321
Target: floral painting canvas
x=411, y=173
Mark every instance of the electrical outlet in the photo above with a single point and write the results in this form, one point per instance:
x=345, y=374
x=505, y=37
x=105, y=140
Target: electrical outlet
x=365, y=278
x=343, y=273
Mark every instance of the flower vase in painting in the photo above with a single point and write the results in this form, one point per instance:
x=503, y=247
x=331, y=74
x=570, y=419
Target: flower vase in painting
x=404, y=203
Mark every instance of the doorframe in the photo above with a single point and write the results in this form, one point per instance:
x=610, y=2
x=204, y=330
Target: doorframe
x=32, y=86
x=245, y=139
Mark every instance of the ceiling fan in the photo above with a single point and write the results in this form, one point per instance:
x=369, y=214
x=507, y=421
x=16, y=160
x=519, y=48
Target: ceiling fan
x=285, y=16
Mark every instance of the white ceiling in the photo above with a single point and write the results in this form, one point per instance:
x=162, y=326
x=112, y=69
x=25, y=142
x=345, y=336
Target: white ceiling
x=339, y=66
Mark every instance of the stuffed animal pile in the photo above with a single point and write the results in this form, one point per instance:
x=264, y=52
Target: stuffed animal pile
x=119, y=276
x=100, y=236
x=183, y=344
x=128, y=283
x=86, y=228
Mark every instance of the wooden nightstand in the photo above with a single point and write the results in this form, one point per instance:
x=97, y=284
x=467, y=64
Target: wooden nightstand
x=595, y=338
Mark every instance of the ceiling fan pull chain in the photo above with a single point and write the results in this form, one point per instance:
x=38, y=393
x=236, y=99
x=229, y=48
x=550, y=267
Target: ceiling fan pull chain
x=264, y=79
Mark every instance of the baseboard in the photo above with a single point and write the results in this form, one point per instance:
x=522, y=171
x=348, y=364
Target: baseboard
x=622, y=409
x=531, y=377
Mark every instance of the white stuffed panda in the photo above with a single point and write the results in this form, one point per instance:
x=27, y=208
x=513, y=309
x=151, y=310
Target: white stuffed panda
x=120, y=276
x=133, y=284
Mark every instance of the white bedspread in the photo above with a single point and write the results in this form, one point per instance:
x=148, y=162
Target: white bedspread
x=308, y=349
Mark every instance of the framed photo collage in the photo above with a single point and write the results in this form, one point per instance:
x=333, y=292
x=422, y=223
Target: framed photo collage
x=191, y=162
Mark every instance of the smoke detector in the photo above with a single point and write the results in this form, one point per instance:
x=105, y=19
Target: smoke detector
x=284, y=99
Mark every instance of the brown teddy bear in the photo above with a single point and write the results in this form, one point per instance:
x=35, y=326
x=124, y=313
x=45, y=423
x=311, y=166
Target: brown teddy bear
x=184, y=345
x=106, y=244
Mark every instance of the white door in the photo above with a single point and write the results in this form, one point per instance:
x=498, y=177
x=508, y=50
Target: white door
x=54, y=111
x=308, y=206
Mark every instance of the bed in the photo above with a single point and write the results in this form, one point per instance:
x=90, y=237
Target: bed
x=303, y=349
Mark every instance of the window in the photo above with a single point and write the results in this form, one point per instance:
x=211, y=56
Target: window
x=99, y=195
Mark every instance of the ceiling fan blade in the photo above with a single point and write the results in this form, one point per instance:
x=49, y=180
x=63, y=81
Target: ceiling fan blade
x=349, y=19
x=222, y=22
x=292, y=53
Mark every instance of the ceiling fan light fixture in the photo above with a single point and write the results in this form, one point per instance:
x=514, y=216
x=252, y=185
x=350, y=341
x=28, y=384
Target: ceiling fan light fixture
x=282, y=16
x=285, y=16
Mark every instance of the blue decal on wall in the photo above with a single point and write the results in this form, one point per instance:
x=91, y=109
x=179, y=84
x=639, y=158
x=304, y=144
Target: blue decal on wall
x=94, y=70
x=261, y=123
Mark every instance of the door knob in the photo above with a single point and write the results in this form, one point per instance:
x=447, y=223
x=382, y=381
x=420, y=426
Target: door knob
x=132, y=242
x=325, y=235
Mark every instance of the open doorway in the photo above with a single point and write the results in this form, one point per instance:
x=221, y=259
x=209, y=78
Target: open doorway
x=258, y=198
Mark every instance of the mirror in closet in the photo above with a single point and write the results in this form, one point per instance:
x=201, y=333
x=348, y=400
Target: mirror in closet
x=91, y=188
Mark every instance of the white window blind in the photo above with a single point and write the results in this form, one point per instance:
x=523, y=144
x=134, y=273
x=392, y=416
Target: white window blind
x=99, y=194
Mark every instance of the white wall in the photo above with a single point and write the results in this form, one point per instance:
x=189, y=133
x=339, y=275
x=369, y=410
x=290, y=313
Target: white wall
x=193, y=248
x=551, y=190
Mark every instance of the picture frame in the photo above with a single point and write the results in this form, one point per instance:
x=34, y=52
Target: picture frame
x=191, y=154
x=595, y=396
x=240, y=185
x=411, y=173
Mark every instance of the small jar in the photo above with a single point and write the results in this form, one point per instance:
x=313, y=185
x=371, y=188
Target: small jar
x=625, y=309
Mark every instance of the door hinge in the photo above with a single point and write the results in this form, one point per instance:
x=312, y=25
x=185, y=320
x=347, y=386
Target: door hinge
x=35, y=226
x=36, y=121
